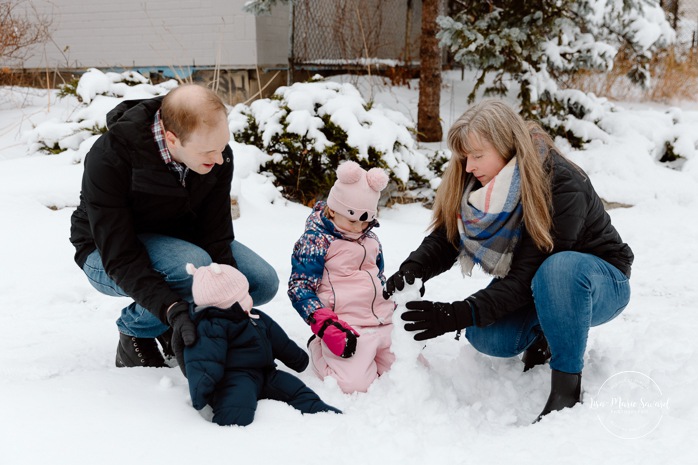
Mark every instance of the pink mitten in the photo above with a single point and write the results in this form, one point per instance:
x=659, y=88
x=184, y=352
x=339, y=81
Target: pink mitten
x=339, y=337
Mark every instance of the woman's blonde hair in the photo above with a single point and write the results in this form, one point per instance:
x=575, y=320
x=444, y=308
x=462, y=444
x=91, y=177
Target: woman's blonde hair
x=497, y=123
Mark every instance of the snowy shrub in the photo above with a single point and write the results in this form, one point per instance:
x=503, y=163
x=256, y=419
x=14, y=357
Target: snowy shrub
x=309, y=128
x=677, y=143
x=300, y=135
x=538, y=45
x=94, y=82
x=260, y=7
x=97, y=93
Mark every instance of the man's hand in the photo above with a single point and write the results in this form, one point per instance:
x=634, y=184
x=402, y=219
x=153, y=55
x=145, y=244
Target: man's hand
x=409, y=271
x=182, y=326
x=436, y=318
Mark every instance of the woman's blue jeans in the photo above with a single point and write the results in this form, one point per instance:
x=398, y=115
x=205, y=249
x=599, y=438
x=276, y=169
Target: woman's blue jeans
x=168, y=257
x=572, y=292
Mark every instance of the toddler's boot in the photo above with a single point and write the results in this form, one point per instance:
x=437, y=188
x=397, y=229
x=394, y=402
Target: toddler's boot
x=565, y=392
x=138, y=352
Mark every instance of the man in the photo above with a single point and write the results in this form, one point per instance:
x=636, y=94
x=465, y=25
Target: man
x=156, y=196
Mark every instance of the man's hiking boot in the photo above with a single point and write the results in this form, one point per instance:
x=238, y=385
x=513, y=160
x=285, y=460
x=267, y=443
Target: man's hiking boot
x=138, y=352
x=165, y=340
x=537, y=353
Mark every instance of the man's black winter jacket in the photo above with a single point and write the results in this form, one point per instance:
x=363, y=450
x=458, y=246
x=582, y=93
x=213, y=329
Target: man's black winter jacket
x=580, y=224
x=127, y=189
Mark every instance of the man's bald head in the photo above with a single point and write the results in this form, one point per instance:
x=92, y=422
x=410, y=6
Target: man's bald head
x=189, y=107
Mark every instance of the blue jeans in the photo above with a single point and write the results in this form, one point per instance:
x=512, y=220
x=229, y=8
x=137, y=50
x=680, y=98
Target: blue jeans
x=168, y=256
x=572, y=292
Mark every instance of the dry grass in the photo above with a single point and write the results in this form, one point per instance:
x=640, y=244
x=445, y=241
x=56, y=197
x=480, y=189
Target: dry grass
x=677, y=78
x=41, y=79
x=674, y=78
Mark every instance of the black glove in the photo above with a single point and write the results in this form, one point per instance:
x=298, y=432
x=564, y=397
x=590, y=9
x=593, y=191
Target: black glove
x=178, y=318
x=183, y=330
x=409, y=271
x=437, y=318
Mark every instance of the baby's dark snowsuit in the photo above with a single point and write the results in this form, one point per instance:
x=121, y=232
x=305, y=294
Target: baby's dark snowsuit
x=231, y=365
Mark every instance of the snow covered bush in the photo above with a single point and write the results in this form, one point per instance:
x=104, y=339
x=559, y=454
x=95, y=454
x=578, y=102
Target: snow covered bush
x=97, y=93
x=94, y=82
x=309, y=128
x=298, y=137
x=537, y=42
x=260, y=7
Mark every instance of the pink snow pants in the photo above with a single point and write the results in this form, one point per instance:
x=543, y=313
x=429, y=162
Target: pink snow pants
x=372, y=359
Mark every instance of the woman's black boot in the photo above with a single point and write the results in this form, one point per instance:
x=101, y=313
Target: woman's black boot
x=565, y=392
x=537, y=353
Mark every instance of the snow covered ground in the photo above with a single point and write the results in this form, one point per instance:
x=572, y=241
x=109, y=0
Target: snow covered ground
x=62, y=401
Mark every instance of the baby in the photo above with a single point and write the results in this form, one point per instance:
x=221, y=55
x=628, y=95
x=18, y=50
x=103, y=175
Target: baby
x=231, y=365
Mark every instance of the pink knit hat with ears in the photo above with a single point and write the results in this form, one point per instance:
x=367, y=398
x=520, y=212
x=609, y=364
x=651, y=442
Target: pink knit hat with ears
x=356, y=192
x=219, y=286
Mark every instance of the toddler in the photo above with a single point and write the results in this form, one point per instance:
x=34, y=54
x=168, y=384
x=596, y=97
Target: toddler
x=231, y=365
x=337, y=278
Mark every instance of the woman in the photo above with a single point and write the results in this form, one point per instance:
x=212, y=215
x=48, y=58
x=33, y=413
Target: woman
x=511, y=203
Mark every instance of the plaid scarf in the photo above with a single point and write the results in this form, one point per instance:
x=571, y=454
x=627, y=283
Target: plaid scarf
x=490, y=222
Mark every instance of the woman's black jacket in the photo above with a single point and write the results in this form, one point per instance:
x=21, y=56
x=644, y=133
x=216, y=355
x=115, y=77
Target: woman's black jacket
x=580, y=224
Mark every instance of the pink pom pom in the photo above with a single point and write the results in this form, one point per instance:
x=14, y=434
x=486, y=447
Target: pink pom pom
x=349, y=172
x=377, y=179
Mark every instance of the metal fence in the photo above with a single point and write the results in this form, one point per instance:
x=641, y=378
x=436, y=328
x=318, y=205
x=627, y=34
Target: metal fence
x=356, y=35
x=353, y=34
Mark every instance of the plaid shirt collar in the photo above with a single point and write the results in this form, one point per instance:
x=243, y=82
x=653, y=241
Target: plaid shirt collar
x=159, y=135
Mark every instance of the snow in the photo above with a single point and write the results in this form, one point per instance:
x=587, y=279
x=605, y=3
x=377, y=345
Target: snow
x=63, y=400
x=651, y=26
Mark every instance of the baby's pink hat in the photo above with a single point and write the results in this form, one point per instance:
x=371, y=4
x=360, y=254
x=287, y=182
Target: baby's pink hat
x=356, y=192
x=219, y=286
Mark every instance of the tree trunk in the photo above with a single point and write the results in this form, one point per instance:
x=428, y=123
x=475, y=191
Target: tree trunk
x=428, y=122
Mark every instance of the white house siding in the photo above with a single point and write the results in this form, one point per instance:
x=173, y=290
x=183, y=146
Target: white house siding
x=159, y=33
